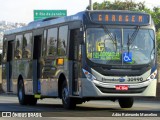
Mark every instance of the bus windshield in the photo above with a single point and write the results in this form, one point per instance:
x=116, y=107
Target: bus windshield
x=101, y=47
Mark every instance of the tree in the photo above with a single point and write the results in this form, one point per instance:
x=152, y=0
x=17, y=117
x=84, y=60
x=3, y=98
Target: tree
x=118, y=5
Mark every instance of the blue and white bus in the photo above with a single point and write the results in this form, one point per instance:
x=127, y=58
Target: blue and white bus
x=92, y=55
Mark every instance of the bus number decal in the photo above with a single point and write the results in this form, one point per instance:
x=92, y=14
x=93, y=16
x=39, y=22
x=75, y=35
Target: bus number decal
x=139, y=79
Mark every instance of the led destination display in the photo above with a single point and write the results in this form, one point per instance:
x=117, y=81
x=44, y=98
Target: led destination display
x=120, y=18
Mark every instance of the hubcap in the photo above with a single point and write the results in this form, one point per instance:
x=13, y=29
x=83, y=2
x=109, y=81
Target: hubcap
x=20, y=94
x=65, y=94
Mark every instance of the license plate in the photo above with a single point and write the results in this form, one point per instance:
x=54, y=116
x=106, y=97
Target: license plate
x=121, y=87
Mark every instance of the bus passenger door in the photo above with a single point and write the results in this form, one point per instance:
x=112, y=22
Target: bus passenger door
x=10, y=58
x=36, y=64
x=74, y=57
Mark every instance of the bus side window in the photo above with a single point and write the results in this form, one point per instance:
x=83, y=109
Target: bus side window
x=44, y=42
x=27, y=43
x=62, y=40
x=18, y=47
x=4, y=57
x=52, y=41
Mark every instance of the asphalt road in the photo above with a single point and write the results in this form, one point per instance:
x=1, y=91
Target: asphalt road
x=53, y=108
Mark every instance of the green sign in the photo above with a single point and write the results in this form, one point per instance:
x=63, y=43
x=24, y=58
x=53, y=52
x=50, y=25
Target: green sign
x=107, y=55
x=41, y=14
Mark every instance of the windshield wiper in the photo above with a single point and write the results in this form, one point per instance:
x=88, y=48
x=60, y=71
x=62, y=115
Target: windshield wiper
x=132, y=38
x=153, y=39
x=114, y=40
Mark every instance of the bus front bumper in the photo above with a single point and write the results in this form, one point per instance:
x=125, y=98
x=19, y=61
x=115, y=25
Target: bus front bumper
x=99, y=89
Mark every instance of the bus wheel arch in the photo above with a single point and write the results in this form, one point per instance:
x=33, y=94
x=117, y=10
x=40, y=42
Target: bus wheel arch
x=22, y=97
x=63, y=91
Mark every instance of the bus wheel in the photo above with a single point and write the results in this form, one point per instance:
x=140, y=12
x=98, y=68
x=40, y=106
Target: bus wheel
x=126, y=102
x=67, y=101
x=21, y=94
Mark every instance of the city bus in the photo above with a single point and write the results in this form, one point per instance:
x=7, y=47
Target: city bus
x=92, y=55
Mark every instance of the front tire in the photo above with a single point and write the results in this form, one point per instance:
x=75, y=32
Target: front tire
x=126, y=102
x=68, y=102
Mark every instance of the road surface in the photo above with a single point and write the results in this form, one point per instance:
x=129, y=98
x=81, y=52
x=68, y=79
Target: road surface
x=53, y=108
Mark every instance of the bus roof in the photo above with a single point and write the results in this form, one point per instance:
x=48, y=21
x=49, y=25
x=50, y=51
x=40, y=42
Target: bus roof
x=46, y=22
x=51, y=21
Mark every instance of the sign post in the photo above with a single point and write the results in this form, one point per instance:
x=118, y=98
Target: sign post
x=41, y=14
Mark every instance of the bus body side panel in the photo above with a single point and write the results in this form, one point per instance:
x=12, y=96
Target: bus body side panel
x=51, y=74
x=4, y=77
x=48, y=77
x=24, y=68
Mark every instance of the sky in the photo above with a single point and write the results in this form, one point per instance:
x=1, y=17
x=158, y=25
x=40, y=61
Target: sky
x=22, y=10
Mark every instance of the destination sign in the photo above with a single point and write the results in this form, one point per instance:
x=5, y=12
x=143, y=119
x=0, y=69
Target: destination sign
x=120, y=18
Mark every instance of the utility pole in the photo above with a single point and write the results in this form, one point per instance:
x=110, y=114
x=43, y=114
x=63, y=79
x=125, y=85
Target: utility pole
x=90, y=4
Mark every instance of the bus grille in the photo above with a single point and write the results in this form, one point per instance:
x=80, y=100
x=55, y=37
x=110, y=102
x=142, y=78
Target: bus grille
x=121, y=71
x=130, y=90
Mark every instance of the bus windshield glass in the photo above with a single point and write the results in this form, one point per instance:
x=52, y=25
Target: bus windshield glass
x=115, y=47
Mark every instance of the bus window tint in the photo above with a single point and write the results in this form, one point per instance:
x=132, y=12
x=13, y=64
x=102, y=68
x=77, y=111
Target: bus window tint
x=5, y=50
x=62, y=41
x=18, y=47
x=27, y=42
x=44, y=43
x=52, y=41
x=141, y=47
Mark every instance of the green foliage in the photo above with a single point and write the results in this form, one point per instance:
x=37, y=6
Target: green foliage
x=156, y=17
x=119, y=5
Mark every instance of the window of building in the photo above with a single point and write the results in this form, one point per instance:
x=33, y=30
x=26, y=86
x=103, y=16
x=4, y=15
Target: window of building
x=62, y=40
x=52, y=41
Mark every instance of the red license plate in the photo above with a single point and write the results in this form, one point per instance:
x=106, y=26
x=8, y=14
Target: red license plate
x=121, y=87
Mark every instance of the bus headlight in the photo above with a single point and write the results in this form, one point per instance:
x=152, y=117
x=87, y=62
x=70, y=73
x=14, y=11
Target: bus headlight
x=88, y=75
x=152, y=55
x=153, y=75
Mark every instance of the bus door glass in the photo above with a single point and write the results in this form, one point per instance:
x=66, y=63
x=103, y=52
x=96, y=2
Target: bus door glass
x=36, y=64
x=75, y=57
x=10, y=58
